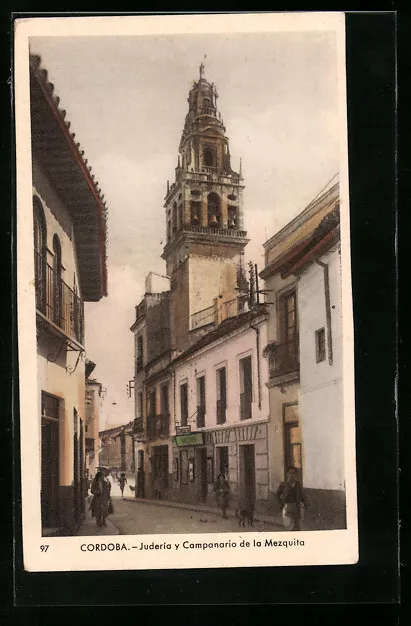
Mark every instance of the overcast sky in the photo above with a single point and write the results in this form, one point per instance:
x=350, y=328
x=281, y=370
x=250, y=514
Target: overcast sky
x=126, y=99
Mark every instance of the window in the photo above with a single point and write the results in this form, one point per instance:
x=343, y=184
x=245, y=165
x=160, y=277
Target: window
x=320, y=345
x=174, y=218
x=180, y=216
x=139, y=360
x=284, y=358
x=184, y=404
x=292, y=439
x=246, y=388
x=57, y=282
x=140, y=404
x=164, y=400
x=289, y=316
x=209, y=157
x=201, y=402
x=221, y=383
x=40, y=254
x=151, y=415
x=152, y=402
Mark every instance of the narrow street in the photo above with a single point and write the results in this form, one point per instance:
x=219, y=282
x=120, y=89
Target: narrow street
x=133, y=517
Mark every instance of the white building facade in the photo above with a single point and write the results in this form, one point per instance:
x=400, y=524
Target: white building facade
x=69, y=223
x=304, y=352
x=221, y=404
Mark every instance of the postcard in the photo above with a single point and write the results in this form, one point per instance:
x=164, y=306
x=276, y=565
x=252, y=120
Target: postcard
x=185, y=324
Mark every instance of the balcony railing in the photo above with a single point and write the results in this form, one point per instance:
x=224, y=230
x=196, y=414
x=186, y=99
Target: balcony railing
x=221, y=409
x=138, y=425
x=158, y=426
x=204, y=176
x=201, y=416
x=210, y=230
x=245, y=406
x=203, y=317
x=283, y=358
x=208, y=111
x=57, y=301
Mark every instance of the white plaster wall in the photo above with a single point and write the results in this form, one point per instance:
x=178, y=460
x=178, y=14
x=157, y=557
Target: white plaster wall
x=54, y=379
x=228, y=352
x=56, y=217
x=320, y=396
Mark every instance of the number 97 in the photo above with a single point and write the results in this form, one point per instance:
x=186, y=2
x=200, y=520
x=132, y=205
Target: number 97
x=44, y=548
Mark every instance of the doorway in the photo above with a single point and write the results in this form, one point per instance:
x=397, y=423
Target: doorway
x=292, y=440
x=201, y=474
x=140, y=475
x=222, y=460
x=160, y=470
x=50, y=461
x=247, y=474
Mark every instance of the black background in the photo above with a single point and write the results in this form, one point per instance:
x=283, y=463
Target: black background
x=371, y=92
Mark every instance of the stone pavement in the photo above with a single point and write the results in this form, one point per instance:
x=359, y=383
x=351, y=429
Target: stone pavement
x=89, y=527
x=275, y=520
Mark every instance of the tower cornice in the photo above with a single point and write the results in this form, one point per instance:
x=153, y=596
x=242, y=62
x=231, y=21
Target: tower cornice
x=206, y=235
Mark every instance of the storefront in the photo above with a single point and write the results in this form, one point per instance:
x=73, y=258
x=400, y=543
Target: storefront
x=240, y=451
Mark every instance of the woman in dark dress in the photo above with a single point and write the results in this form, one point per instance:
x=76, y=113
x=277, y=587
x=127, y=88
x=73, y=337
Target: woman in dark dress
x=291, y=498
x=101, y=489
x=222, y=490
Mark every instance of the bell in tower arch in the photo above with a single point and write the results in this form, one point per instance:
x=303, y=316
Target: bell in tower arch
x=214, y=209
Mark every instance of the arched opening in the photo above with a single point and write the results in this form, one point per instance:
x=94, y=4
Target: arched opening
x=57, y=282
x=180, y=216
x=214, y=210
x=40, y=253
x=232, y=217
x=174, y=218
x=209, y=157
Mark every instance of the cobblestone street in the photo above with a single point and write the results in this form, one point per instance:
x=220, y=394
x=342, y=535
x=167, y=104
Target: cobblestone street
x=135, y=517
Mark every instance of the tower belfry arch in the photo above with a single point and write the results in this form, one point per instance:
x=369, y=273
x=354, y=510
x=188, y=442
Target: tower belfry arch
x=207, y=197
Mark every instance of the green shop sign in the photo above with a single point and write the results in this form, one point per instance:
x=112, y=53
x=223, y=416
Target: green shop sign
x=193, y=439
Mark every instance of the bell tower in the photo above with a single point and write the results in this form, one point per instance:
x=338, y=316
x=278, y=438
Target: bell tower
x=204, y=219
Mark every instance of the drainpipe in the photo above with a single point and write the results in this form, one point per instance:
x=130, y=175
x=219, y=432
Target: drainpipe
x=327, y=309
x=257, y=337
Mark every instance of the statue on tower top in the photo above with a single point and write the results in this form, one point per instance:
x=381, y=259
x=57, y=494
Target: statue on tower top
x=202, y=67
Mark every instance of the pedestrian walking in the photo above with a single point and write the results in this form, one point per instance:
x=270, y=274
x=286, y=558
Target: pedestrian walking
x=122, y=482
x=291, y=497
x=222, y=491
x=101, y=504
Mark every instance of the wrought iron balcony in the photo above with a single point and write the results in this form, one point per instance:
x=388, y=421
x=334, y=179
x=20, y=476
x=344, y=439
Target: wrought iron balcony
x=57, y=301
x=245, y=406
x=221, y=411
x=201, y=416
x=138, y=425
x=158, y=426
x=283, y=358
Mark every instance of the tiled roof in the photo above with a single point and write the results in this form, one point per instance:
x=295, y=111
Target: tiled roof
x=63, y=160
